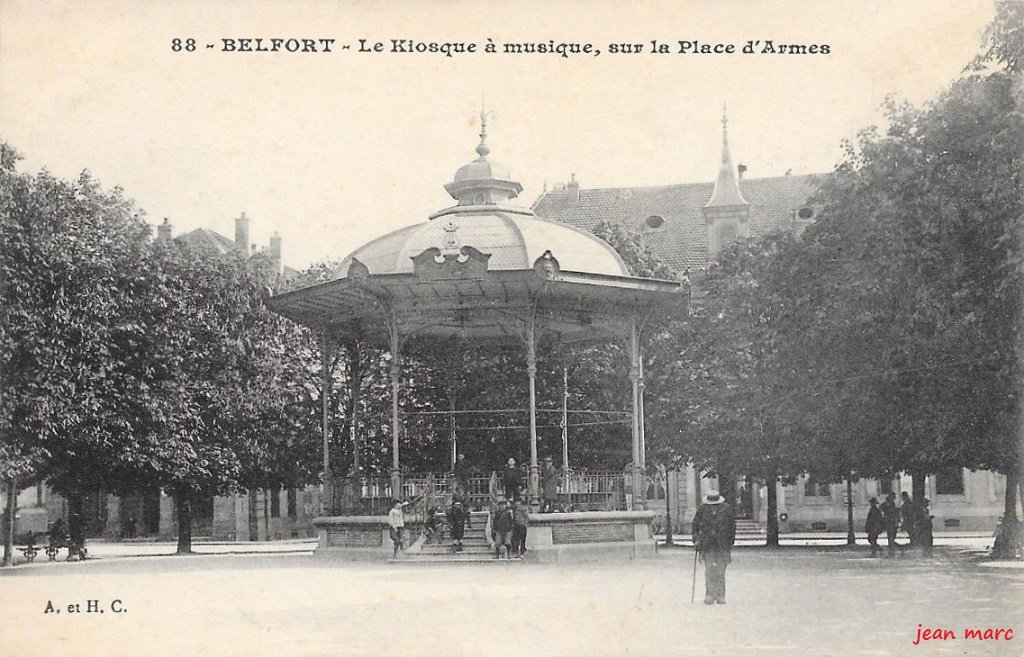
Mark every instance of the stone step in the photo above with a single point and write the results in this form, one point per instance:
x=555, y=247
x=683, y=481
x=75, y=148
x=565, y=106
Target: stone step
x=466, y=549
x=452, y=558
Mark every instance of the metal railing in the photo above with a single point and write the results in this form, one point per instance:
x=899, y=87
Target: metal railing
x=602, y=490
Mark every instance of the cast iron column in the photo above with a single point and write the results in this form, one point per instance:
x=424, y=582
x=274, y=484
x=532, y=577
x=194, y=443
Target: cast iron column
x=325, y=387
x=531, y=371
x=634, y=377
x=396, y=371
x=640, y=413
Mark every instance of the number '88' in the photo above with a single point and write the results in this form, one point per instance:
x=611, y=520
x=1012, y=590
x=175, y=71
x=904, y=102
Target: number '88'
x=177, y=45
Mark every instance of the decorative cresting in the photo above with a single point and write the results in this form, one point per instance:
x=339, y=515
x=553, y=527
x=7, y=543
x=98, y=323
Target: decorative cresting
x=547, y=266
x=450, y=243
x=357, y=269
x=451, y=260
x=433, y=264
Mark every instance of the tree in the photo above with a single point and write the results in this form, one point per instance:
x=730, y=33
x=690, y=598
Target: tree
x=912, y=302
x=69, y=391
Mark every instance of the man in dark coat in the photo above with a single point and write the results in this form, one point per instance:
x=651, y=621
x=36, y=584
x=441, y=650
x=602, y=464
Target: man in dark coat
x=923, y=528
x=549, y=480
x=874, y=526
x=501, y=529
x=461, y=472
x=457, y=524
x=512, y=479
x=521, y=525
x=891, y=517
x=714, y=531
x=908, y=515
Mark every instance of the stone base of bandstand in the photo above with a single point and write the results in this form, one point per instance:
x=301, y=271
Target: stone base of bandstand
x=590, y=536
x=552, y=538
x=353, y=538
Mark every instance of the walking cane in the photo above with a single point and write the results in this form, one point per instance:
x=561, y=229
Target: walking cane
x=693, y=587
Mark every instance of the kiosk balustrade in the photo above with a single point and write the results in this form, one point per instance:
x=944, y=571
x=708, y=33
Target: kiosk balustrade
x=593, y=490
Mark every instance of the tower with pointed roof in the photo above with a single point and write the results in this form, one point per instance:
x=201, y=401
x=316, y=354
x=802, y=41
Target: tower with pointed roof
x=727, y=213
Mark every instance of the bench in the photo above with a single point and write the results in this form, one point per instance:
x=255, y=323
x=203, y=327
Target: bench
x=29, y=552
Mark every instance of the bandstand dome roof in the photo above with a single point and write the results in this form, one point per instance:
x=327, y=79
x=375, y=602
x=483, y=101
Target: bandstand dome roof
x=485, y=220
x=514, y=242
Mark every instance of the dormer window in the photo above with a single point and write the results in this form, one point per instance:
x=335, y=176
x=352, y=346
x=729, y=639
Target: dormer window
x=654, y=222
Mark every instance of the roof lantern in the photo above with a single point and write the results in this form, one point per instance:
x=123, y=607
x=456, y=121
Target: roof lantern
x=482, y=181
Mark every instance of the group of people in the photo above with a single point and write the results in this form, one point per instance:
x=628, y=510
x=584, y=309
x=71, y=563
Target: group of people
x=512, y=481
x=913, y=516
x=508, y=520
x=507, y=527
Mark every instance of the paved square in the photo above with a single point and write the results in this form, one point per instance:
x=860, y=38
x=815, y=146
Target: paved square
x=797, y=602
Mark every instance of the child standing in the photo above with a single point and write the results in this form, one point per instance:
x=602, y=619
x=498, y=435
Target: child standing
x=396, y=525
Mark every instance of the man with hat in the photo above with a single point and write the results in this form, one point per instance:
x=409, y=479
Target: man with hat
x=714, y=531
x=549, y=485
x=874, y=526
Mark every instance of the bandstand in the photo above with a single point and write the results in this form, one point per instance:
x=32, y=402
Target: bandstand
x=489, y=270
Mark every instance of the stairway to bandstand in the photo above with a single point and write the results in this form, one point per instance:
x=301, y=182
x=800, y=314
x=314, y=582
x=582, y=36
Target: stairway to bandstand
x=475, y=547
x=750, y=530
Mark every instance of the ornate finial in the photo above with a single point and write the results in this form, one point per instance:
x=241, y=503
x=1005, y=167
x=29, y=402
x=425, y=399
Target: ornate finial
x=725, y=125
x=482, y=148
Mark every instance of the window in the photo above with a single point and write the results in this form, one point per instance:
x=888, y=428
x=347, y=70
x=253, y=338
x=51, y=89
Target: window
x=654, y=222
x=275, y=503
x=806, y=213
x=885, y=486
x=813, y=488
x=949, y=481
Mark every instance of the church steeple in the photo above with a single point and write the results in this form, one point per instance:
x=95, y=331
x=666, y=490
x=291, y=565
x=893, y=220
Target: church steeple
x=727, y=187
x=727, y=213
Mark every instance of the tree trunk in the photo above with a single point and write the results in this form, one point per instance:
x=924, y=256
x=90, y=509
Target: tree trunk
x=266, y=514
x=183, y=509
x=254, y=517
x=76, y=518
x=1010, y=499
x=668, y=507
x=12, y=508
x=851, y=535
x=773, y=507
x=918, y=480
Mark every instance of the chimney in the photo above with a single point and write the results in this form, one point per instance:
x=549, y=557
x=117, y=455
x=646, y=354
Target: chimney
x=572, y=191
x=275, y=250
x=242, y=234
x=163, y=231
x=741, y=169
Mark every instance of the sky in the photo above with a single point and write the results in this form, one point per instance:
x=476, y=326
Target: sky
x=332, y=149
